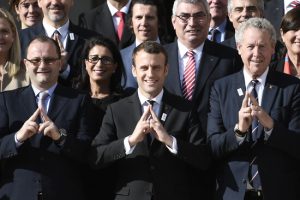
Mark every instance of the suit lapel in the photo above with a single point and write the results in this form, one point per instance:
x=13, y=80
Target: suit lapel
x=207, y=65
x=58, y=102
x=270, y=92
x=29, y=101
x=72, y=38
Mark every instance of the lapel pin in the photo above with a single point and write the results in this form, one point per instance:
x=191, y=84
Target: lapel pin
x=270, y=86
x=164, y=117
x=72, y=36
x=240, y=92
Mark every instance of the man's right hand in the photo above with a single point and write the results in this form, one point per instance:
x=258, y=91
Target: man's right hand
x=29, y=128
x=245, y=118
x=142, y=128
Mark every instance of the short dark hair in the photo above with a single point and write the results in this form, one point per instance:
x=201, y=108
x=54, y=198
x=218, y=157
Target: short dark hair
x=151, y=47
x=291, y=20
x=115, y=81
x=44, y=39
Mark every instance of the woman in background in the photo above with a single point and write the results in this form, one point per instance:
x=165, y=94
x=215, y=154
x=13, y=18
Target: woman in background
x=290, y=34
x=28, y=12
x=12, y=74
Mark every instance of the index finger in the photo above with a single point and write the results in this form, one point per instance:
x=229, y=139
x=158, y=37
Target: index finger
x=245, y=100
x=44, y=115
x=146, y=114
x=153, y=114
x=34, y=115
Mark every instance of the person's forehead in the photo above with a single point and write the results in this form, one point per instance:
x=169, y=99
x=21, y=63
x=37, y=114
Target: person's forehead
x=185, y=7
x=242, y=3
x=41, y=46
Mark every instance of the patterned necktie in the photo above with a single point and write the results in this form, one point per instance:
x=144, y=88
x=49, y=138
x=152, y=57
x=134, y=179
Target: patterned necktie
x=56, y=35
x=42, y=103
x=121, y=25
x=253, y=175
x=293, y=4
x=189, y=76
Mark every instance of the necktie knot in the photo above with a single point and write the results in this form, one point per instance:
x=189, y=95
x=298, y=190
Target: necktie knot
x=254, y=83
x=120, y=14
x=213, y=34
x=150, y=102
x=121, y=25
x=190, y=53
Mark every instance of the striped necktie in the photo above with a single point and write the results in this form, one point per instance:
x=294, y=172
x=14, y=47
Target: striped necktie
x=189, y=76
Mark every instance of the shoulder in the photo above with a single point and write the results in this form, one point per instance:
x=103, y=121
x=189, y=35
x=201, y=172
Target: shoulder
x=127, y=51
x=177, y=102
x=82, y=32
x=219, y=50
x=93, y=12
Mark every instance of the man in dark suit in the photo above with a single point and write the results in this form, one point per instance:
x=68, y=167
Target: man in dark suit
x=212, y=60
x=152, y=137
x=41, y=146
x=104, y=19
x=254, y=123
x=220, y=27
x=56, y=24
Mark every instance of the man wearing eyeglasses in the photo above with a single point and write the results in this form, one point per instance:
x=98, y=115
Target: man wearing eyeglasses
x=196, y=62
x=45, y=130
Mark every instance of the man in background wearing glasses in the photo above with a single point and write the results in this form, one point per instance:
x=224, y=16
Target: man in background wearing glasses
x=196, y=62
x=45, y=130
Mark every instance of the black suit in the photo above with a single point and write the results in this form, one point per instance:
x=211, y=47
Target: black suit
x=100, y=20
x=151, y=171
x=274, y=11
x=217, y=61
x=39, y=164
x=74, y=47
x=278, y=158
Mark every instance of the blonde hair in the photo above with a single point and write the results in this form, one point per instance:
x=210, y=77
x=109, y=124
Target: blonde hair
x=14, y=56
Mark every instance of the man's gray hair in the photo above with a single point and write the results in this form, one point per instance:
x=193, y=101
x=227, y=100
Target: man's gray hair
x=203, y=2
x=258, y=23
x=260, y=5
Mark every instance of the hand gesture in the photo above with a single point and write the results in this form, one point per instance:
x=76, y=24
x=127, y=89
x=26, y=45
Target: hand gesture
x=157, y=129
x=48, y=127
x=142, y=128
x=29, y=128
x=256, y=111
x=245, y=117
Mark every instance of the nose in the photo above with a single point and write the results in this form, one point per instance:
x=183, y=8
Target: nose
x=143, y=20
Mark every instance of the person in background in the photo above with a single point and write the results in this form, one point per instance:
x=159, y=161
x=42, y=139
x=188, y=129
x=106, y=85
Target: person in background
x=290, y=34
x=12, y=73
x=220, y=27
x=28, y=12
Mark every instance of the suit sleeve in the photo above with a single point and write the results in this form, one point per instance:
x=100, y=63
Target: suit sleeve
x=222, y=140
x=286, y=132
x=194, y=151
x=106, y=148
x=7, y=142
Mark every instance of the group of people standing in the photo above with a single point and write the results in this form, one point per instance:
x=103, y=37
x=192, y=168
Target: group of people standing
x=116, y=108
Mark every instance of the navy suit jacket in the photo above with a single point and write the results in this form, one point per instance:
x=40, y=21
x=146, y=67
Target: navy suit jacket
x=74, y=47
x=39, y=164
x=151, y=170
x=100, y=20
x=217, y=61
x=278, y=158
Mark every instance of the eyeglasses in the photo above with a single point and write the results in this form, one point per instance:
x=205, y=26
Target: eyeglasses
x=26, y=6
x=47, y=61
x=105, y=60
x=198, y=17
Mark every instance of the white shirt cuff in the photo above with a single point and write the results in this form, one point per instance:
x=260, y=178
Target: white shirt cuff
x=267, y=133
x=18, y=143
x=174, y=149
x=128, y=149
x=240, y=139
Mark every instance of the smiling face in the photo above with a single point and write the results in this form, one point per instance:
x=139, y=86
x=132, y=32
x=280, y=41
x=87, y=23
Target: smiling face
x=256, y=49
x=150, y=71
x=192, y=32
x=43, y=75
x=56, y=12
x=144, y=22
x=291, y=40
x=243, y=10
x=29, y=12
x=7, y=37
x=100, y=72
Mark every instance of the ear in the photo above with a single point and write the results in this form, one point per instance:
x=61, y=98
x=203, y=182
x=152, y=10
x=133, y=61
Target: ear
x=133, y=70
x=17, y=9
x=173, y=19
x=238, y=47
x=282, y=34
x=166, y=70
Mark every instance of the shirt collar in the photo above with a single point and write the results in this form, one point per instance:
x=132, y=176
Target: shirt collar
x=182, y=49
x=113, y=10
x=261, y=79
x=49, y=91
x=63, y=30
x=157, y=99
